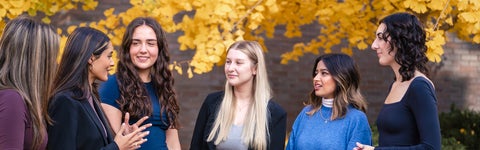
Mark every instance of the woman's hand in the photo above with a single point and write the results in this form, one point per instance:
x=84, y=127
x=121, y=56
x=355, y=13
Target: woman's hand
x=361, y=146
x=131, y=140
x=133, y=127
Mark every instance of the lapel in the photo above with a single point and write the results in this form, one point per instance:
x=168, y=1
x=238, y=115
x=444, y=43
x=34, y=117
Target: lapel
x=94, y=118
x=104, y=120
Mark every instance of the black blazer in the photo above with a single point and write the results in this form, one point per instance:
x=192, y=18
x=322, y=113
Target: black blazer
x=206, y=117
x=76, y=126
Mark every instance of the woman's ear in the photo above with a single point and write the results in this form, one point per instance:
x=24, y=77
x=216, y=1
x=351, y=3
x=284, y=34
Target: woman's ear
x=90, y=61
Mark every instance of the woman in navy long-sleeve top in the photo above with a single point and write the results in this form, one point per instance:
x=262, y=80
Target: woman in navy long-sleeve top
x=409, y=116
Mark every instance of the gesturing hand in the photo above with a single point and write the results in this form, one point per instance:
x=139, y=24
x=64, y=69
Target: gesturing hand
x=133, y=127
x=131, y=140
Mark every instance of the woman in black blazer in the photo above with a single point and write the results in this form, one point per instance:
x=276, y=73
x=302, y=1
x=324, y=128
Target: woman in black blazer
x=78, y=120
x=206, y=118
x=243, y=116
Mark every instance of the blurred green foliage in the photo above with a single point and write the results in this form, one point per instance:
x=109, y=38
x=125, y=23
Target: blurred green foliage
x=462, y=126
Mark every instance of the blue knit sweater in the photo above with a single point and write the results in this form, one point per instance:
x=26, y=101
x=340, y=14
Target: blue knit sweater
x=311, y=132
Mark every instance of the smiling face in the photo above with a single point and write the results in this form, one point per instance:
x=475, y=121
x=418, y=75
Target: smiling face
x=382, y=47
x=239, y=69
x=323, y=82
x=102, y=65
x=144, y=48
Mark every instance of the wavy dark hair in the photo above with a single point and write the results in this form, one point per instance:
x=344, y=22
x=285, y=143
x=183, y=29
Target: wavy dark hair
x=408, y=36
x=347, y=81
x=72, y=73
x=137, y=102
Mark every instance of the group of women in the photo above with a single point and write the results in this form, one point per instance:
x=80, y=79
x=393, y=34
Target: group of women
x=45, y=105
x=243, y=116
x=76, y=104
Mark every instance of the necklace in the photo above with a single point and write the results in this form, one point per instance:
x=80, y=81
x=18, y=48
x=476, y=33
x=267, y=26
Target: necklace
x=321, y=115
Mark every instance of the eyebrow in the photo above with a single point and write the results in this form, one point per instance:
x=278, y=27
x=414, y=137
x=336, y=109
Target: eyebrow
x=321, y=69
x=148, y=40
x=237, y=59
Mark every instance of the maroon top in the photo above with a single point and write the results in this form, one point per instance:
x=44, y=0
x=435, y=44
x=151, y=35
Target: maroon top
x=16, y=126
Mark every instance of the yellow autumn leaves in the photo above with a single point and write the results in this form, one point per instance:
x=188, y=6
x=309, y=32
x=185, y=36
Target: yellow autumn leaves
x=12, y=8
x=209, y=26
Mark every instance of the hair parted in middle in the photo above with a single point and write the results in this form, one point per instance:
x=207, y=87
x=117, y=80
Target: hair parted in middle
x=347, y=82
x=255, y=129
x=137, y=102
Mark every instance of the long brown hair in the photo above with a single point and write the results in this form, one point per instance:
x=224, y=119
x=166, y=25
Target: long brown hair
x=137, y=102
x=27, y=64
x=347, y=81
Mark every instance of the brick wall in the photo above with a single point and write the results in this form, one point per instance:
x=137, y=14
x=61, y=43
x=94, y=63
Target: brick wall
x=455, y=81
x=455, y=77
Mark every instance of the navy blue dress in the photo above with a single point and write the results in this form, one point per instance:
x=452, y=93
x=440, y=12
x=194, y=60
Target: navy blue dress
x=109, y=93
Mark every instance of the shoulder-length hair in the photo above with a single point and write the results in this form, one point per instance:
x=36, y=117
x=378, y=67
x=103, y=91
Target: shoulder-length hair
x=82, y=44
x=137, y=102
x=27, y=64
x=407, y=36
x=347, y=90
x=255, y=130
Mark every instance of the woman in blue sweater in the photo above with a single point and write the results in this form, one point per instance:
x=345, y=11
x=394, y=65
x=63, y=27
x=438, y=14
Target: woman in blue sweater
x=334, y=117
x=409, y=116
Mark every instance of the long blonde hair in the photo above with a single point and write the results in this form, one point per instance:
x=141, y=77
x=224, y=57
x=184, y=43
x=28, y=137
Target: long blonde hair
x=255, y=130
x=28, y=52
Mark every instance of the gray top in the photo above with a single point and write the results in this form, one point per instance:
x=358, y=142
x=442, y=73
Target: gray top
x=234, y=140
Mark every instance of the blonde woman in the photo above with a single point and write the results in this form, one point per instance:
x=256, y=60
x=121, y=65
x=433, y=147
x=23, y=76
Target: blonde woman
x=243, y=116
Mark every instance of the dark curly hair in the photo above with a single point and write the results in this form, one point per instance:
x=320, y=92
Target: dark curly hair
x=133, y=94
x=407, y=35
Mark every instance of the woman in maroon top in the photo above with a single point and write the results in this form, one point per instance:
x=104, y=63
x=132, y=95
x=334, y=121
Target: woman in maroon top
x=27, y=65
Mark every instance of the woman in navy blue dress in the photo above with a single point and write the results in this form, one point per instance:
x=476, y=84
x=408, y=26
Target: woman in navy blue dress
x=143, y=85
